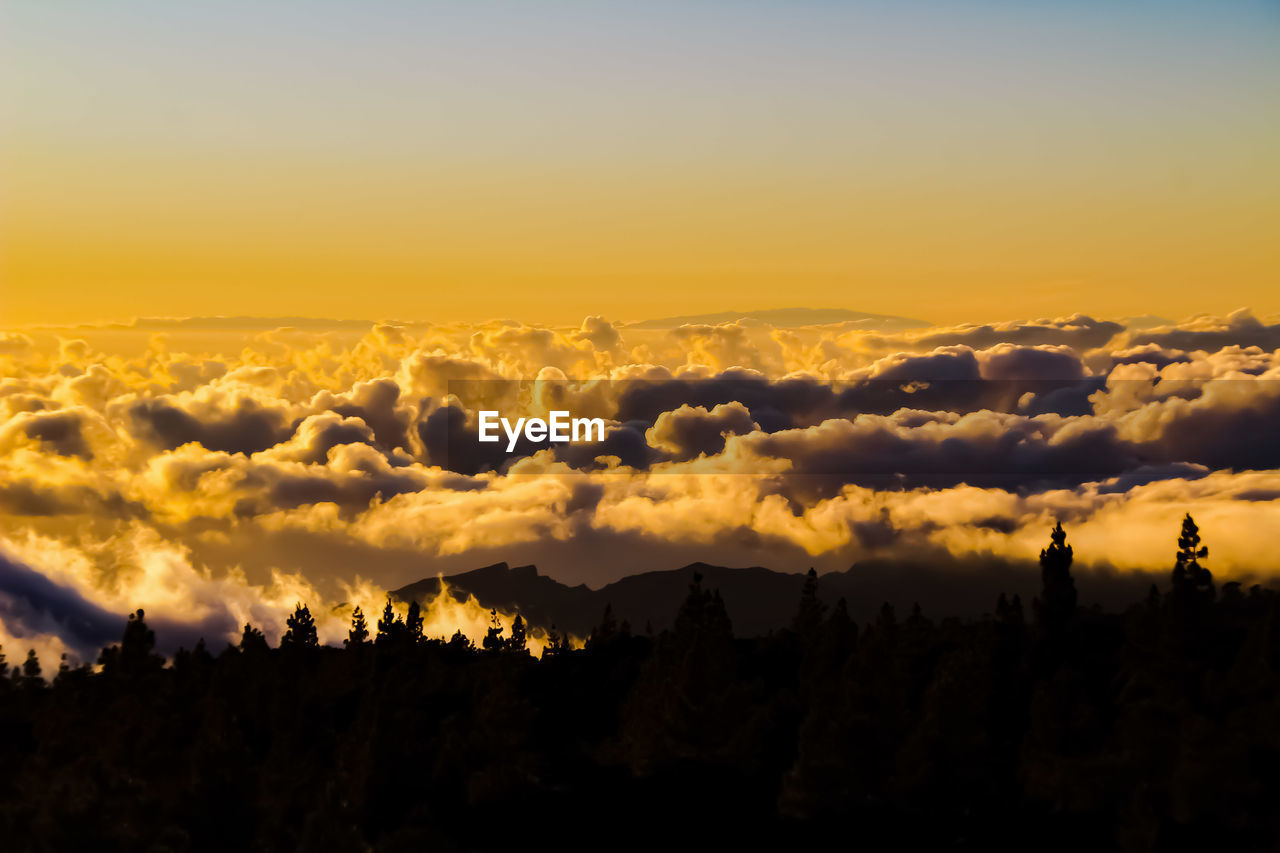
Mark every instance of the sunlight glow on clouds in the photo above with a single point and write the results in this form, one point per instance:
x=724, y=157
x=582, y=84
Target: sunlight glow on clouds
x=223, y=484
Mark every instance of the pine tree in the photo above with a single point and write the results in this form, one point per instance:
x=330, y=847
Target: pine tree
x=809, y=615
x=887, y=622
x=134, y=655
x=702, y=616
x=390, y=626
x=1189, y=577
x=840, y=619
x=137, y=645
x=1058, y=587
x=31, y=671
x=413, y=623
x=1009, y=612
x=359, y=633
x=300, y=629
x=605, y=631
x=519, y=639
x=252, y=640
x=840, y=629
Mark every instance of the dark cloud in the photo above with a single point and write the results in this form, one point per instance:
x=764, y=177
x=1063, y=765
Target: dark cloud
x=451, y=440
x=625, y=441
x=1079, y=331
x=62, y=431
x=248, y=427
x=1232, y=424
x=375, y=403
x=990, y=450
x=28, y=494
x=1145, y=474
x=1036, y=363
x=692, y=431
x=284, y=489
x=773, y=405
x=1239, y=328
x=32, y=604
x=316, y=435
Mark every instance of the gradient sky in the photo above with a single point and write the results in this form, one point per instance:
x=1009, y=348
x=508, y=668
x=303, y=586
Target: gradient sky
x=545, y=160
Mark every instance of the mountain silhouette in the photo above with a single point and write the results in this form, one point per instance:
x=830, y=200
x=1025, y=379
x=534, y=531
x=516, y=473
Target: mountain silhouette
x=785, y=317
x=760, y=599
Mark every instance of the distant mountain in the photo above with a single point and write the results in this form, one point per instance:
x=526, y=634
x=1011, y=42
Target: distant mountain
x=1146, y=321
x=760, y=600
x=240, y=323
x=213, y=324
x=789, y=317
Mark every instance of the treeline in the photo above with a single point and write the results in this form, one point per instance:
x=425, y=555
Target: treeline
x=1049, y=725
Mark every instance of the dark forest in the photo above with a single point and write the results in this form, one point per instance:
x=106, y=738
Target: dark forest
x=1042, y=723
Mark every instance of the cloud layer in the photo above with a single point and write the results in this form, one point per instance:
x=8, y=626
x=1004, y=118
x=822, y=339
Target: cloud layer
x=220, y=481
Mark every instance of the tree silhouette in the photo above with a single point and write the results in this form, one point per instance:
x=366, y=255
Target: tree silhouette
x=809, y=614
x=920, y=730
x=413, y=623
x=556, y=643
x=31, y=671
x=253, y=641
x=1009, y=611
x=1058, y=589
x=390, y=626
x=1189, y=577
x=493, y=641
x=519, y=639
x=135, y=654
x=300, y=629
x=605, y=631
x=359, y=633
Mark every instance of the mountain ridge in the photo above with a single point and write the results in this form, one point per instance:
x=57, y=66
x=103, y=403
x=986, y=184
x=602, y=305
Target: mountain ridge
x=784, y=317
x=760, y=600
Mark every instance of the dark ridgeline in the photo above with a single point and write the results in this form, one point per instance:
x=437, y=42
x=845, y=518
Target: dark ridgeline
x=762, y=600
x=1151, y=729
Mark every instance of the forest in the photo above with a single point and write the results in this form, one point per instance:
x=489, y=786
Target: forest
x=1043, y=723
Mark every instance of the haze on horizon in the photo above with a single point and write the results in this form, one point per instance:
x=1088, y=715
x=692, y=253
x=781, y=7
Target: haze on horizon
x=954, y=161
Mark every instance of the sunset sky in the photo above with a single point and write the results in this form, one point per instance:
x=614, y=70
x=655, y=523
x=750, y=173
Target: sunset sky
x=458, y=161
x=488, y=192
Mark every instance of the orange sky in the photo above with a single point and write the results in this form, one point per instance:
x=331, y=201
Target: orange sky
x=549, y=166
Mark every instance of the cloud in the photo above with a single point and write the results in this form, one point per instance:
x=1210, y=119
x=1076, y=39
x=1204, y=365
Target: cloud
x=1077, y=331
x=1206, y=332
x=236, y=425
x=62, y=431
x=32, y=604
x=692, y=431
x=377, y=404
x=12, y=343
x=215, y=486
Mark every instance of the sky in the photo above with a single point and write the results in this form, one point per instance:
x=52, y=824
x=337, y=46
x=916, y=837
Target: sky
x=956, y=161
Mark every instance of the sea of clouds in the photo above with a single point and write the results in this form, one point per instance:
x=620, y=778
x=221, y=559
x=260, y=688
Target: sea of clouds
x=221, y=475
